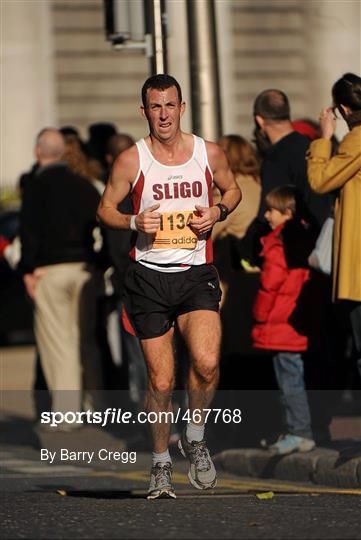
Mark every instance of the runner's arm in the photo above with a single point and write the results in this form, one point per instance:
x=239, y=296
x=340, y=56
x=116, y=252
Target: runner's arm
x=122, y=176
x=226, y=183
x=223, y=177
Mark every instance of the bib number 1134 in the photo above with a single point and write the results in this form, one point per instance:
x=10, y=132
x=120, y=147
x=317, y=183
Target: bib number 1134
x=174, y=232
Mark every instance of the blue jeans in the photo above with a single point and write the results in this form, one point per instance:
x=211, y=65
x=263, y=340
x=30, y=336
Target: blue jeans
x=288, y=368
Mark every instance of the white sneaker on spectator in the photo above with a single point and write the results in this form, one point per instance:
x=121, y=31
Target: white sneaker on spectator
x=292, y=443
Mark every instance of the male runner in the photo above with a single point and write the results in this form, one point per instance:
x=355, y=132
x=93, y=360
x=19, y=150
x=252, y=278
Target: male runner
x=169, y=174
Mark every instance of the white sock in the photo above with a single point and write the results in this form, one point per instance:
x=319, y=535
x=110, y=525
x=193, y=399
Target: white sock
x=163, y=457
x=195, y=432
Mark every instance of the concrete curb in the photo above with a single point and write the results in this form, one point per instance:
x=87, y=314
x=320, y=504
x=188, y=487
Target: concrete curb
x=323, y=466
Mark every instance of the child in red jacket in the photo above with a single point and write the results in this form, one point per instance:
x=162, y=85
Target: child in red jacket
x=278, y=315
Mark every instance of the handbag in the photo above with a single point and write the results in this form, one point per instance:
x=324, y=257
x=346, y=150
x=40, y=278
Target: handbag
x=321, y=256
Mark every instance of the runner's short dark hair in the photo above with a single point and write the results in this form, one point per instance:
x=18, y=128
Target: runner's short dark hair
x=160, y=82
x=272, y=104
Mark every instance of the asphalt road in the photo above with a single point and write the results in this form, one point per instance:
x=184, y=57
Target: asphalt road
x=70, y=501
x=77, y=500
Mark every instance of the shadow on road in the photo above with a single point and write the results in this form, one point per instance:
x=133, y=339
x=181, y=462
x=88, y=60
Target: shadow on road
x=69, y=491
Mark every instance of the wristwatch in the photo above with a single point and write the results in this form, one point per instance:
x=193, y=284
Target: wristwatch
x=224, y=211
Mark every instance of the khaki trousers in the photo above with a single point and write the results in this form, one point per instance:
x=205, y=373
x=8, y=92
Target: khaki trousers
x=57, y=300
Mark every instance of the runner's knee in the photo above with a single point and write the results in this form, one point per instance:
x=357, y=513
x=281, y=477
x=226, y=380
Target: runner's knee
x=207, y=372
x=161, y=385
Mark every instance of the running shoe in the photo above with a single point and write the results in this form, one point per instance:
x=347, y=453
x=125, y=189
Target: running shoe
x=160, y=486
x=202, y=473
x=292, y=443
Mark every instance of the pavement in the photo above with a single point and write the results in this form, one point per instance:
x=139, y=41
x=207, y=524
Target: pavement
x=337, y=464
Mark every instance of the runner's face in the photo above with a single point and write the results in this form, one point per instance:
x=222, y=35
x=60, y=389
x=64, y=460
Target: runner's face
x=163, y=112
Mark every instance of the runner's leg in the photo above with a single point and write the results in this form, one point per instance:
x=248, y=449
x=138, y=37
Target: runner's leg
x=158, y=354
x=202, y=333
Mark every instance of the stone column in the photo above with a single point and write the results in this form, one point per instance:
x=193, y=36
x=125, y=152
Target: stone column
x=28, y=85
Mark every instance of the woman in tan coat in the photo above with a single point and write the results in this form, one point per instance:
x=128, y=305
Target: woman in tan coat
x=342, y=172
x=236, y=285
x=245, y=166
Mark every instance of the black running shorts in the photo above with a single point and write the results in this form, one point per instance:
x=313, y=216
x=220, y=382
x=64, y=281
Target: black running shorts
x=153, y=300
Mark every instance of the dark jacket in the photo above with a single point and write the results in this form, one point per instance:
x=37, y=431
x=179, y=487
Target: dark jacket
x=58, y=216
x=280, y=310
x=285, y=163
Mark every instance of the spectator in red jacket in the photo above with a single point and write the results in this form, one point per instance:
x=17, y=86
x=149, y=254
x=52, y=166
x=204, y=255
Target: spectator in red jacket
x=280, y=325
x=4, y=242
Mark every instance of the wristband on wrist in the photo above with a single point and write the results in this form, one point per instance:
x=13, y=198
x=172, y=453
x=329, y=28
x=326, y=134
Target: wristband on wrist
x=224, y=211
x=132, y=223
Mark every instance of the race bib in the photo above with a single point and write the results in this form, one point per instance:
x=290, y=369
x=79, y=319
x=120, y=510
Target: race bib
x=174, y=232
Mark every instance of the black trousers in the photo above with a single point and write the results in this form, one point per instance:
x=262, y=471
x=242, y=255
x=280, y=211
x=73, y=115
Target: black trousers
x=355, y=319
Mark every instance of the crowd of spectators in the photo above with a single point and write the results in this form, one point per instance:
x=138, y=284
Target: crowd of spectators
x=292, y=180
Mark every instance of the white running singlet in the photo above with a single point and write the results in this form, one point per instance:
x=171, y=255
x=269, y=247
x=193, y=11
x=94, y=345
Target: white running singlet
x=177, y=188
